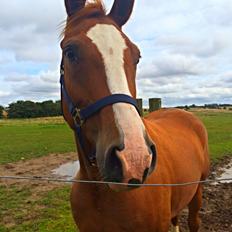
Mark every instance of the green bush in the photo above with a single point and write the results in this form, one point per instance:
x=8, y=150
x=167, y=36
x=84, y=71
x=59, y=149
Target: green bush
x=29, y=109
x=1, y=111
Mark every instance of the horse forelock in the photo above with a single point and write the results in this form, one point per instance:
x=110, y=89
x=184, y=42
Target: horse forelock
x=94, y=9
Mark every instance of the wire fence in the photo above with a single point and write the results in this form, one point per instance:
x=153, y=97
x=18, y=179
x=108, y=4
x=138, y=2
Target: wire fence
x=51, y=179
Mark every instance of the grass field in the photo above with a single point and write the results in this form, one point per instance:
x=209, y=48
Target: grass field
x=36, y=137
x=219, y=127
x=32, y=138
x=51, y=211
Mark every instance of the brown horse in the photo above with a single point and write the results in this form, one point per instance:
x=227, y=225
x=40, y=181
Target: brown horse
x=114, y=143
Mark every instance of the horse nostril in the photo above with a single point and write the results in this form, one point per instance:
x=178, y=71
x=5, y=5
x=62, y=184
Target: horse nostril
x=113, y=167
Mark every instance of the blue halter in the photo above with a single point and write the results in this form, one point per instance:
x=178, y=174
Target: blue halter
x=81, y=115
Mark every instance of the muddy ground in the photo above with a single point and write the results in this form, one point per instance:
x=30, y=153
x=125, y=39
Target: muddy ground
x=39, y=167
x=216, y=213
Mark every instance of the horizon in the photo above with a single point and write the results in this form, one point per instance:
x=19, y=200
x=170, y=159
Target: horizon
x=145, y=103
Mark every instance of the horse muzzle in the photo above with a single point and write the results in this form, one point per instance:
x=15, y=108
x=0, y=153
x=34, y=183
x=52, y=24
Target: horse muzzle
x=129, y=166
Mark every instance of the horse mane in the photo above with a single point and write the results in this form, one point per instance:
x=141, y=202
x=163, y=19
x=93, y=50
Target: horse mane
x=93, y=9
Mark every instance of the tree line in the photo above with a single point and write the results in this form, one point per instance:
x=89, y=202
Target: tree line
x=30, y=109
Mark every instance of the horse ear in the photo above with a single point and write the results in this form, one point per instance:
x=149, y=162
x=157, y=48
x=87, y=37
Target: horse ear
x=121, y=11
x=73, y=6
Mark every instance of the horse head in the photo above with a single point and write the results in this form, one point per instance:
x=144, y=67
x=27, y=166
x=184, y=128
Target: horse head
x=99, y=61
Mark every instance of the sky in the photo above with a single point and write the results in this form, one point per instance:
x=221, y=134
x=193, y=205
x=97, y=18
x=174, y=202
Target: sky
x=186, y=49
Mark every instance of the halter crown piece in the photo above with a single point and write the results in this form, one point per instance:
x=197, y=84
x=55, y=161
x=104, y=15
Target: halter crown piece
x=81, y=115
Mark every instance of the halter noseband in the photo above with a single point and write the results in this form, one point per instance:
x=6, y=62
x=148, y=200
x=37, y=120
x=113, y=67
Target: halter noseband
x=81, y=115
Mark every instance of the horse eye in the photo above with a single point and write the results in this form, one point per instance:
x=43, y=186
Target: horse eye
x=70, y=54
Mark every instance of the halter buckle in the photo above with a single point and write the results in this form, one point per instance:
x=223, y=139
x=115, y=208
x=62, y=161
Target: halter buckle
x=77, y=117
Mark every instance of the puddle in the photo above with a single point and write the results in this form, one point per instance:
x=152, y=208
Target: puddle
x=68, y=170
x=227, y=174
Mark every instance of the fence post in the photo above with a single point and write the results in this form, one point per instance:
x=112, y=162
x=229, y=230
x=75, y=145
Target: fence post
x=154, y=104
x=140, y=105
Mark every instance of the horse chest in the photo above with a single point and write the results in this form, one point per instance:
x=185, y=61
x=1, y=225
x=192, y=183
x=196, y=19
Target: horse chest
x=120, y=221
x=116, y=212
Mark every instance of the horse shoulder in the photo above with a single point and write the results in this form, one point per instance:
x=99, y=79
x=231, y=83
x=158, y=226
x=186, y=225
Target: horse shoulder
x=178, y=118
x=175, y=130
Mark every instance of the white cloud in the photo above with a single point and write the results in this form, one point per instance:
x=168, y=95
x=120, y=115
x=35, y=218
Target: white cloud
x=31, y=31
x=37, y=87
x=15, y=78
x=179, y=90
x=172, y=65
x=4, y=94
x=44, y=84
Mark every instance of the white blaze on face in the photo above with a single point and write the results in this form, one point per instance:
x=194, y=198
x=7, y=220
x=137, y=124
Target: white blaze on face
x=111, y=44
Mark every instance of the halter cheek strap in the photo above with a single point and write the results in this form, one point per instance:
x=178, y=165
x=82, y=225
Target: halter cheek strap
x=81, y=115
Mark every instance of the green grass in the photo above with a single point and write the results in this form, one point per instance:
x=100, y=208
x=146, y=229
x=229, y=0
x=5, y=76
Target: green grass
x=50, y=213
x=33, y=138
x=25, y=139
x=219, y=127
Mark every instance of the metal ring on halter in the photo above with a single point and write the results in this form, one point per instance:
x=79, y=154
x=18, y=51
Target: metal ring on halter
x=76, y=115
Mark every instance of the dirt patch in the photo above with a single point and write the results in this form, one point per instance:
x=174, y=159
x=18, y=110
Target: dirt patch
x=216, y=213
x=36, y=167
